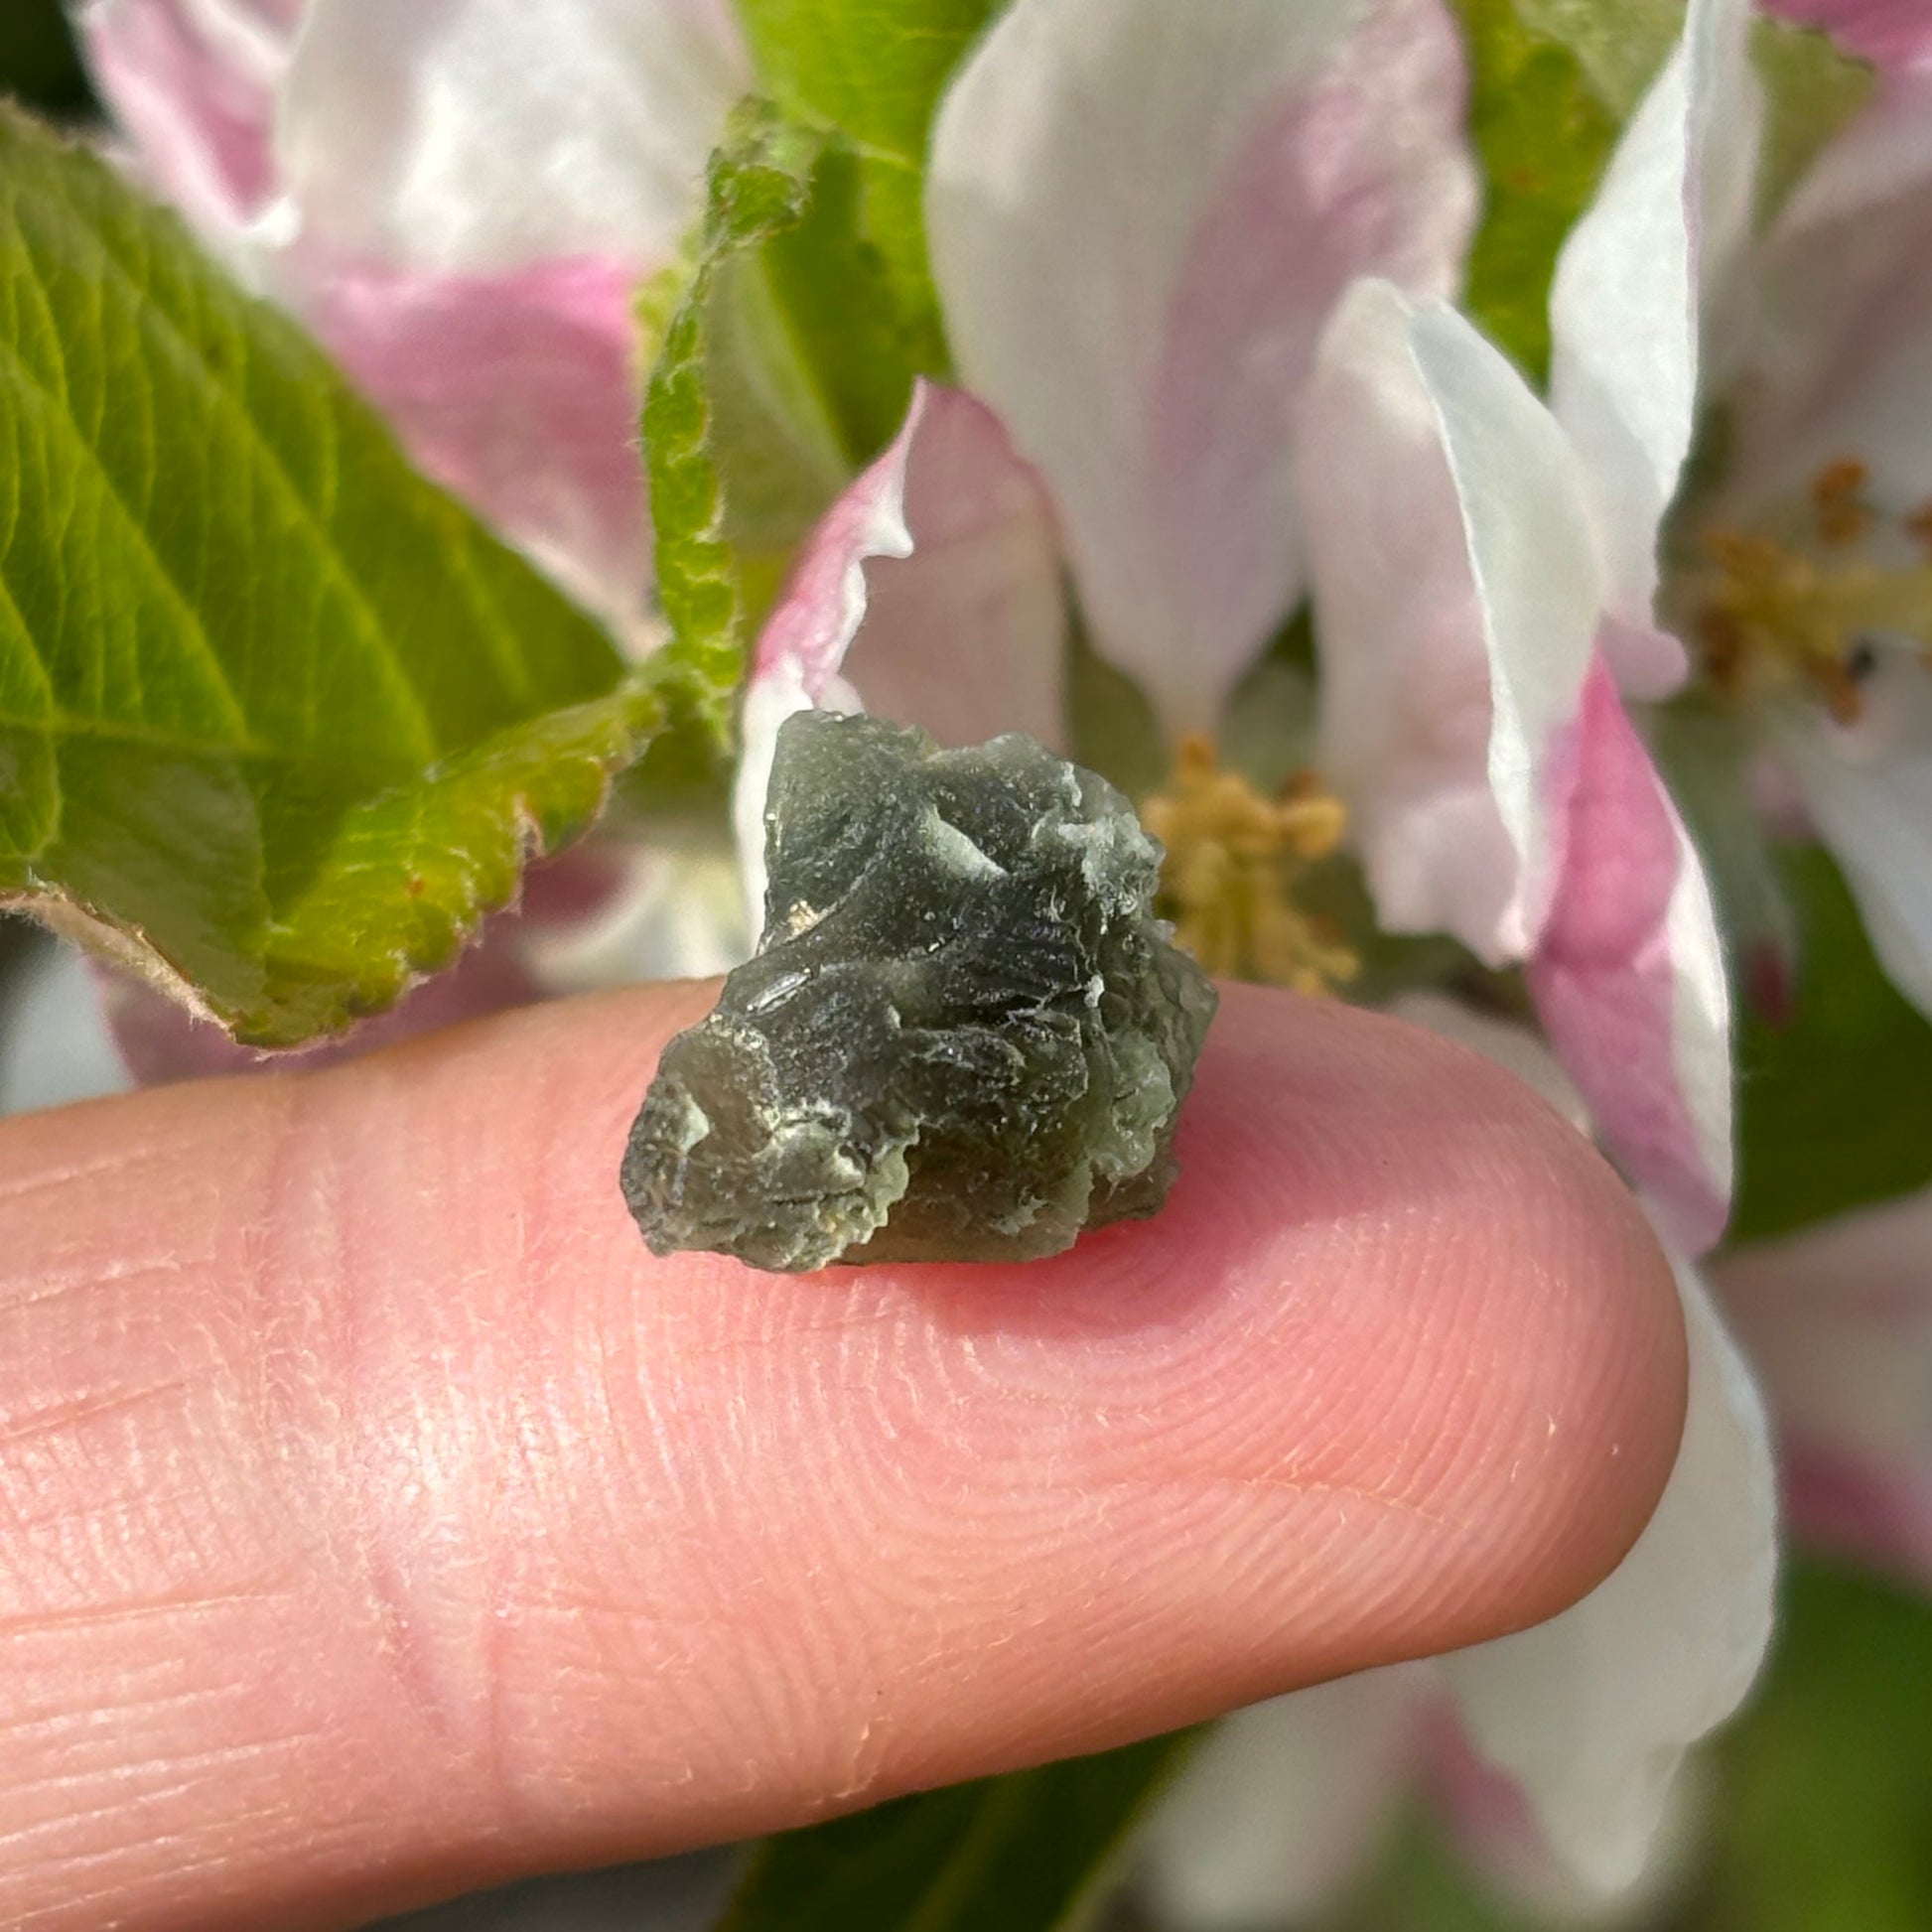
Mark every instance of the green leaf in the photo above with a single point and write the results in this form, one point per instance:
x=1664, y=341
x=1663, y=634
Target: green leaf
x=1024, y=1853
x=1836, y=1106
x=1820, y=1823
x=779, y=373
x=278, y=720
x=1553, y=81
x=875, y=70
x=1620, y=44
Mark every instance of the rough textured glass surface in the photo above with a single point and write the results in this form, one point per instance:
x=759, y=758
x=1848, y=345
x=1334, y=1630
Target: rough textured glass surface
x=964, y=1036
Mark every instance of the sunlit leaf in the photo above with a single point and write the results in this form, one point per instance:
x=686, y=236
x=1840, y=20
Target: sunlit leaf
x=778, y=372
x=279, y=721
x=875, y=71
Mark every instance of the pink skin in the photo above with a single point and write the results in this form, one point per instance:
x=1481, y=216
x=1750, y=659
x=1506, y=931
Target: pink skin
x=1602, y=975
x=381, y=1519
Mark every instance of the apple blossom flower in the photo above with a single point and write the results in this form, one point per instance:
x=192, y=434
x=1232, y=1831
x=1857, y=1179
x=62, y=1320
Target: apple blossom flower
x=1484, y=572
x=1497, y=578
x=461, y=201
x=1139, y=227
x=1801, y=570
x=1139, y=216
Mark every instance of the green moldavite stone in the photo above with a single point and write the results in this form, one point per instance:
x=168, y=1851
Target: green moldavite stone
x=964, y=1036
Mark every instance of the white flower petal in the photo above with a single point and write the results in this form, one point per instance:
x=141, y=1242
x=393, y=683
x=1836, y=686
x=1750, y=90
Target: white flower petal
x=1139, y=217
x=1457, y=587
x=1274, y=1813
x=57, y=1045
x=675, y=911
x=1624, y=309
x=1839, y=339
x=1837, y=1322
x=481, y=135
x=930, y=593
x=1869, y=792
x=1496, y=1829
x=1591, y=1711
x=1628, y=974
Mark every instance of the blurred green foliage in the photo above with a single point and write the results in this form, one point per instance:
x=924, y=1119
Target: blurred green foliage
x=1016, y=1853
x=37, y=63
x=1835, y=1103
x=1824, y=1816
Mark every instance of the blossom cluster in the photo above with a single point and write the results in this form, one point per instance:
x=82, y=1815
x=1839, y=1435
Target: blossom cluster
x=1200, y=271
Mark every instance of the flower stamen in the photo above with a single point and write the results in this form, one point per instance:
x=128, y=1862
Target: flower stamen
x=1234, y=858
x=1767, y=612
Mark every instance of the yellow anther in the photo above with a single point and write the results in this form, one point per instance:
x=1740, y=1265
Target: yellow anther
x=1234, y=857
x=1838, y=504
x=1767, y=612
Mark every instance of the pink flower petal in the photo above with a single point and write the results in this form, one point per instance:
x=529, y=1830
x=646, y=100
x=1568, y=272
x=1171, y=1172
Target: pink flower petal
x=1141, y=215
x=194, y=83
x=1837, y=1320
x=1628, y=974
x=1457, y=587
x=1888, y=32
x=930, y=593
x=519, y=392
x=1859, y=1509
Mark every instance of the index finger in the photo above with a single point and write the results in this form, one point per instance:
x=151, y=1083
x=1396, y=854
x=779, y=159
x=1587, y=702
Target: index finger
x=378, y=1518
